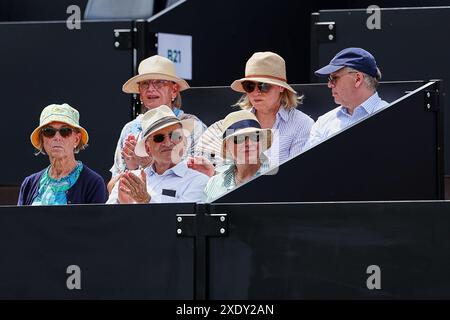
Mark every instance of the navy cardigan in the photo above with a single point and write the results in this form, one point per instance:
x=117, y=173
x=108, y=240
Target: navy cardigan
x=89, y=188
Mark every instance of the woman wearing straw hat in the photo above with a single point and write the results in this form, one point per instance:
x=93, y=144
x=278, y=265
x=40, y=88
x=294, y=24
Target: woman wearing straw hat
x=157, y=84
x=243, y=142
x=274, y=103
x=65, y=180
x=168, y=179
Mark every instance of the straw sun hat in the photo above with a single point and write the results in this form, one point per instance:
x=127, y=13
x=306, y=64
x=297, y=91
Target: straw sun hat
x=58, y=113
x=244, y=122
x=157, y=119
x=265, y=67
x=156, y=67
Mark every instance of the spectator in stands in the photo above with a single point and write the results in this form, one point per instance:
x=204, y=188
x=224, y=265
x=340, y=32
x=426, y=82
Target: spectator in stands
x=167, y=179
x=244, y=142
x=274, y=103
x=353, y=77
x=65, y=180
x=157, y=84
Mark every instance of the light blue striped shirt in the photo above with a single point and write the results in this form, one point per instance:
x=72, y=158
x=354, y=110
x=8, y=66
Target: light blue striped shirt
x=339, y=119
x=177, y=184
x=290, y=134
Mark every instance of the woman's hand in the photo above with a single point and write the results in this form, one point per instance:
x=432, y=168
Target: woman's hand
x=201, y=164
x=133, y=189
x=132, y=161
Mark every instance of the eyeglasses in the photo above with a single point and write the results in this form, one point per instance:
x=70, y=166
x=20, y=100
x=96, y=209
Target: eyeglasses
x=49, y=132
x=333, y=79
x=241, y=138
x=249, y=86
x=174, y=136
x=157, y=84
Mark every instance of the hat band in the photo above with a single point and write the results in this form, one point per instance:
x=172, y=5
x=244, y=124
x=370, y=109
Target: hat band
x=160, y=123
x=265, y=76
x=242, y=125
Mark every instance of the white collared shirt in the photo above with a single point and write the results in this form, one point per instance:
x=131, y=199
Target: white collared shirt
x=338, y=119
x=177, y=184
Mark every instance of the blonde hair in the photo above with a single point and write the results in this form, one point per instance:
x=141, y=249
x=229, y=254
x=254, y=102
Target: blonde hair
x=288, y=100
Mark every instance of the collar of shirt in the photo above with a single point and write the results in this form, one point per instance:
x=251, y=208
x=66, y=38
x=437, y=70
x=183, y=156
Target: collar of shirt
x=178, y=112
x=282, y=114
x=180, y=169
x=229, y=182
x=367, y=106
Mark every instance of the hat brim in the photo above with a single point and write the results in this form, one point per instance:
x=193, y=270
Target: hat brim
x=325, y=71
x=266, y=136
x=237, y=84
x=188, y=127
x=132, y=85
x=34, y=137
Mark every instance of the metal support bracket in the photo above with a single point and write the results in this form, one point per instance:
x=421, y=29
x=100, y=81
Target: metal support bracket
x=122, y=39
x=325, y=31
x=431, y=100
x=191, y=225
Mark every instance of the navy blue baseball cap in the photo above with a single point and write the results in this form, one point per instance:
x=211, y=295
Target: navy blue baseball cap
x=356, y=58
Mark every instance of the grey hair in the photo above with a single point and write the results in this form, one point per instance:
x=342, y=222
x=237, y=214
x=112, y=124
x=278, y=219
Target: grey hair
x=371, y=82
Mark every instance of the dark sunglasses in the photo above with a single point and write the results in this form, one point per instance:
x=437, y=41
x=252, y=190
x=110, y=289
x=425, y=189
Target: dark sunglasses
x=49, y=132
x=249, y=86
x=174, y=136
x=241, y=138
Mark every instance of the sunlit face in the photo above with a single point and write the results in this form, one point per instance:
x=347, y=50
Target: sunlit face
x=266, y=101
x=154, y=93
x=167, y=145
x=343, y=84
x=244, y=149
x=60, y=147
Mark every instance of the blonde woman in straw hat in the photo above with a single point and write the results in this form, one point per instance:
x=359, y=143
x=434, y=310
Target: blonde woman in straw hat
x=168, y=179
x=65, y=180
x=274, y=102
x=156, y=84
x=243, y=143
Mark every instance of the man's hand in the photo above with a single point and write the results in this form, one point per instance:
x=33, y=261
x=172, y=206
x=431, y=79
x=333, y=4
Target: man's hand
x=132, y=161
x=133, y=189
x=201, y=164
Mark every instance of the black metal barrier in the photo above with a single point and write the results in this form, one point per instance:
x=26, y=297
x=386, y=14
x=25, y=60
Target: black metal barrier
x=395, y=154
x=226, y=251
x=44, y=63
x=331, y=250
x=95, y=252
x=407, y=45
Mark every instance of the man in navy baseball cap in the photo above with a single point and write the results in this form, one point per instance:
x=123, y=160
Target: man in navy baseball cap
x=356, y=58
x=353, y=77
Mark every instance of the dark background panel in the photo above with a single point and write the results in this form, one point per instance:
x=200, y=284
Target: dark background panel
x=213, y=103
x=322, y=251
x=45, y=63
x=124, y=252
x=376, y=159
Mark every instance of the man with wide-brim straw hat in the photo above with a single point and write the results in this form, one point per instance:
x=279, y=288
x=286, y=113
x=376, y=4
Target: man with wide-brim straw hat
x=168, y=178
x=156, y=84
x=243, y=143
x=66, y=180
x=274, y=102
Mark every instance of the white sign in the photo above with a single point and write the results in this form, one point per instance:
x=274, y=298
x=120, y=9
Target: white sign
x=177, y=48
